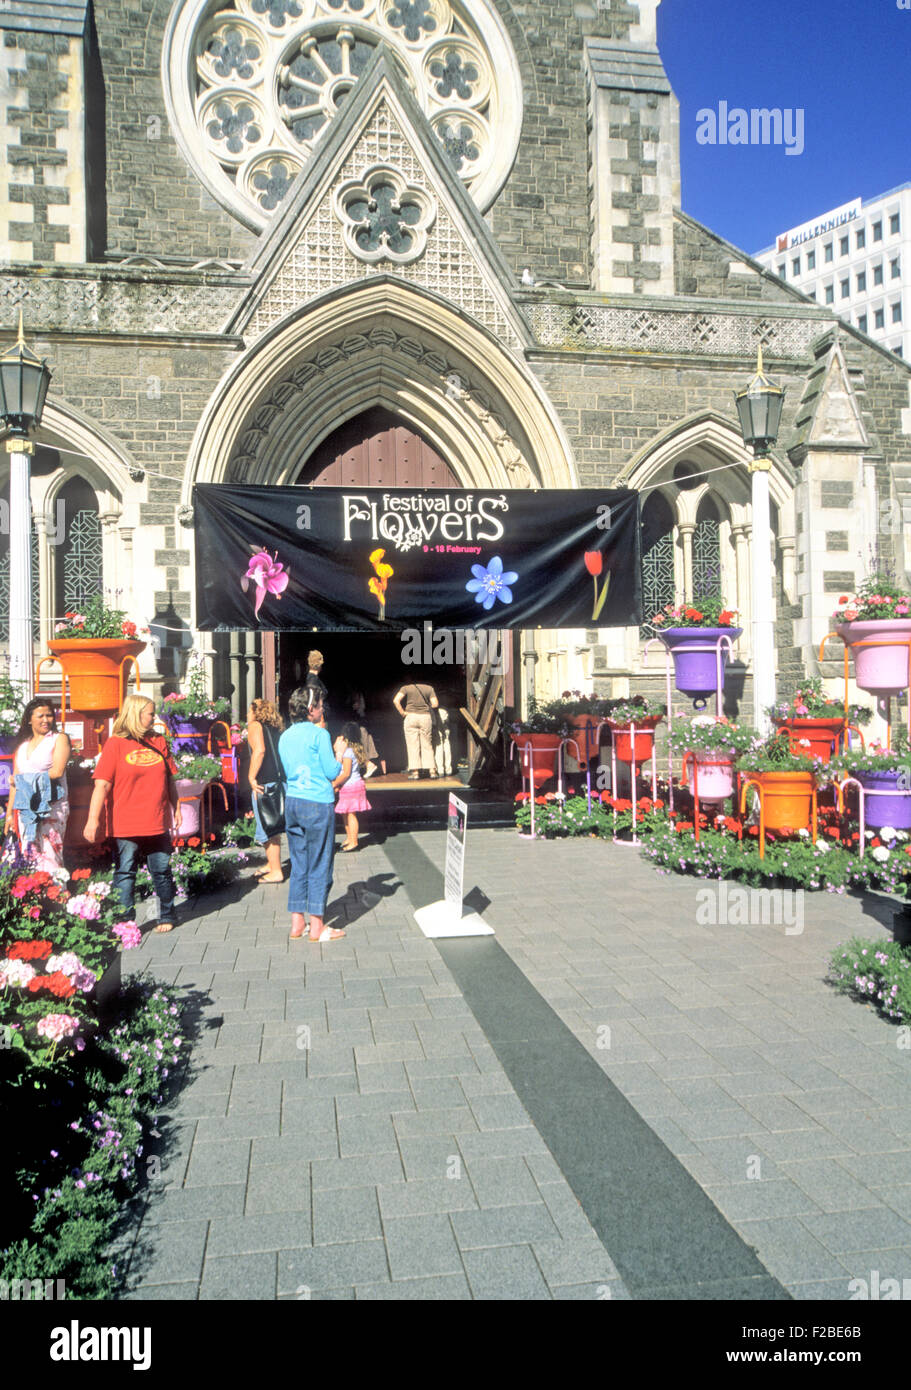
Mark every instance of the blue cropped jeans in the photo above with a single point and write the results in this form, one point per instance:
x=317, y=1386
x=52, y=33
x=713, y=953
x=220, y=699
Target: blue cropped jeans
x=310, y=828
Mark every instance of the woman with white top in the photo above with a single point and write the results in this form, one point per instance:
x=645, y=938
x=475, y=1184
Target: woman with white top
x=40, y=749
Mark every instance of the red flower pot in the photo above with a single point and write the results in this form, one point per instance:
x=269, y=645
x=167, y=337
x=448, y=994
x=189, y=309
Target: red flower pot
x=823, y=736
x=644, y=736
x=541, y=761
x=95, y=676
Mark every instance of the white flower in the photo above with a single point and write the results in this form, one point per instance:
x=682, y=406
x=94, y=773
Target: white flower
x=9, y=714
x=888, y=832
x=868, y=834
x=804, y=832
x=821, y=845
x=99, y=889
x=880, y=854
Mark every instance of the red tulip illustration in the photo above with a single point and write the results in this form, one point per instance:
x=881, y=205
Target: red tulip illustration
x=594, y=563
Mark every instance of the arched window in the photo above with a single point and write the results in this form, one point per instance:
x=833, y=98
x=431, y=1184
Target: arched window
x=707, y=580
x=78, y=568
x=658, y=582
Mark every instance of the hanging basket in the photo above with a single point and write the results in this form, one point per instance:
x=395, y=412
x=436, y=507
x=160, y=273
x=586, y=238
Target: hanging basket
x=188, y=731
x=96, y=670
x=881, y=668
x=695, y=671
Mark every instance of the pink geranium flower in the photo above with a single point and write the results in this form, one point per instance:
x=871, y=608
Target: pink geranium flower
x=267, y=574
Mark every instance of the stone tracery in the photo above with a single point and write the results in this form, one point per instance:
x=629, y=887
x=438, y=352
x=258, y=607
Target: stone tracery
x=256, y=84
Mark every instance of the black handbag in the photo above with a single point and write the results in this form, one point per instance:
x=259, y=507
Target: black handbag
x=270, y=804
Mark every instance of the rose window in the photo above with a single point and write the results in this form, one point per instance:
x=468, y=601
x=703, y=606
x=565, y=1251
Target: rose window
x=253, y=86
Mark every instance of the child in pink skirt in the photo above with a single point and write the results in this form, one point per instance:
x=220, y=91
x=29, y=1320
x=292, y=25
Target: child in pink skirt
x=352, y=796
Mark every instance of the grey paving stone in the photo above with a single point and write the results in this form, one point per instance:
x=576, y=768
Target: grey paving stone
x=609, y=1290
x=168, y=1253
x=375, y=1103
x=239, y=1277
x=462, y=1065
x=761, y=1199
x=429, y=1197
x=310, y=1116
x=788, y=1250
x=278, y=1188
x=345, y=1214
x=504, y=1181
x=831, y=1187
x=250, y=1124
x=193, y=1203
x=219, y=1162
x=258, y=1232
x=161, y=1293
x=506, y=1273
x=430, y=1157
x=499, y=1112
x=501, y=1143
x=566, y=1210
x=421, y=1122
x=873, y=1266
x=512, y=1225
x=371, y=1170
x=578, y=1260
x=318, y=1270
x=421, y=1246
x=379, y=1077
x=444, y=1288
x=294, y=1147
x=845, y=1231
x=365, y=1135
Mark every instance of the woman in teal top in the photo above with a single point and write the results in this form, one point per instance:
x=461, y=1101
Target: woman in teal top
x=312, y=772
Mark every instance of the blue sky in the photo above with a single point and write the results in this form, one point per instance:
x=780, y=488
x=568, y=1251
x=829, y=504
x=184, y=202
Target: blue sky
x=845, y=63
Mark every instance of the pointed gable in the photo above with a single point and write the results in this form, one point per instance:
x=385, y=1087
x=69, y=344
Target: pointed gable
x=829, y=412
x=381, y=197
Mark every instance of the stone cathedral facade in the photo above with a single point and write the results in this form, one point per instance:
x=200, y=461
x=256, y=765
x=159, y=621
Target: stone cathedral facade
x=408, y=242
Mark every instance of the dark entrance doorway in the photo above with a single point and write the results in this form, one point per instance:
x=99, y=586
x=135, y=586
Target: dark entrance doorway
x=379, y=449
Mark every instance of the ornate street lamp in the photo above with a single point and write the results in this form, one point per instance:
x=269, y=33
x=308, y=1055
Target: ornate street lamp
x=759, y=408
x=24, y=380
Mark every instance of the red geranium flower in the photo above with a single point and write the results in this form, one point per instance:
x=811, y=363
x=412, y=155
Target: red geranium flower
x=59, y=984
x=80, y=873
x=754, y=830
x=30, y=950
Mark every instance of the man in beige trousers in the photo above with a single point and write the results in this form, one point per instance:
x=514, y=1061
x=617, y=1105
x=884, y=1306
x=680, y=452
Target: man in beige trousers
x=414, y=703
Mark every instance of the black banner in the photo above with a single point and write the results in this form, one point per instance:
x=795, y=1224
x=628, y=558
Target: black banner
x=374, y=560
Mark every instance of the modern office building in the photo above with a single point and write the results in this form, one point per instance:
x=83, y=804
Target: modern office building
x=855, y=260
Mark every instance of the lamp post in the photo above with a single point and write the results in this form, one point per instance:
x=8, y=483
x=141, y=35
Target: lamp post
x=24, y=380
x=759, y=408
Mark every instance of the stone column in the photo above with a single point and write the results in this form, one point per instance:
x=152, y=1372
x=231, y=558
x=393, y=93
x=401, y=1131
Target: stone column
x=741, y=534
x=686, y=529
x=20, y=565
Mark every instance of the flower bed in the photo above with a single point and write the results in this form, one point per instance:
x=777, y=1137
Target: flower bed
x=79, y=1086
x=877, y=972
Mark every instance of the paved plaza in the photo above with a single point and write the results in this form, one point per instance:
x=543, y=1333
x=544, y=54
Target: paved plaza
x=606, y=1100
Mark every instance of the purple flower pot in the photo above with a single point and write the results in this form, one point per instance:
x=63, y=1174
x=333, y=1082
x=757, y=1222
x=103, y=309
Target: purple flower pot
x=7, y=745
x=188, y=731
x=695, y=672
x=884, y=810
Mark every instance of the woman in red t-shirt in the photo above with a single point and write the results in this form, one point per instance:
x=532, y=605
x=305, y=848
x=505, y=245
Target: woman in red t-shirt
x=138, y=768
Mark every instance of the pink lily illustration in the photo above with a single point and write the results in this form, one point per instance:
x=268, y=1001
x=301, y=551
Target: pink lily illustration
x=268, y=575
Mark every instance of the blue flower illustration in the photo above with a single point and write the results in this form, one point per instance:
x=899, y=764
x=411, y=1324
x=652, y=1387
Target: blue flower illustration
x=492, y=583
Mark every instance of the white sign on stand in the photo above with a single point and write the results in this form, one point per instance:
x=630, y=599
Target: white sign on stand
x=445, y=918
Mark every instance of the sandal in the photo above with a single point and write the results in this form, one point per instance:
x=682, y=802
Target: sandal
x=349, y=849
x=165, y=926
x=328, y=934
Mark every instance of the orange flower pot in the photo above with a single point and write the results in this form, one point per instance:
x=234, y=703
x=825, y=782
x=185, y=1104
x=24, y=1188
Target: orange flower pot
x=96, y=680
x=787, y=799
x=644, y=739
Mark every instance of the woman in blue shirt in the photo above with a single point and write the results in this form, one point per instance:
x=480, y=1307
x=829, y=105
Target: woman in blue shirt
x=312, y=773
